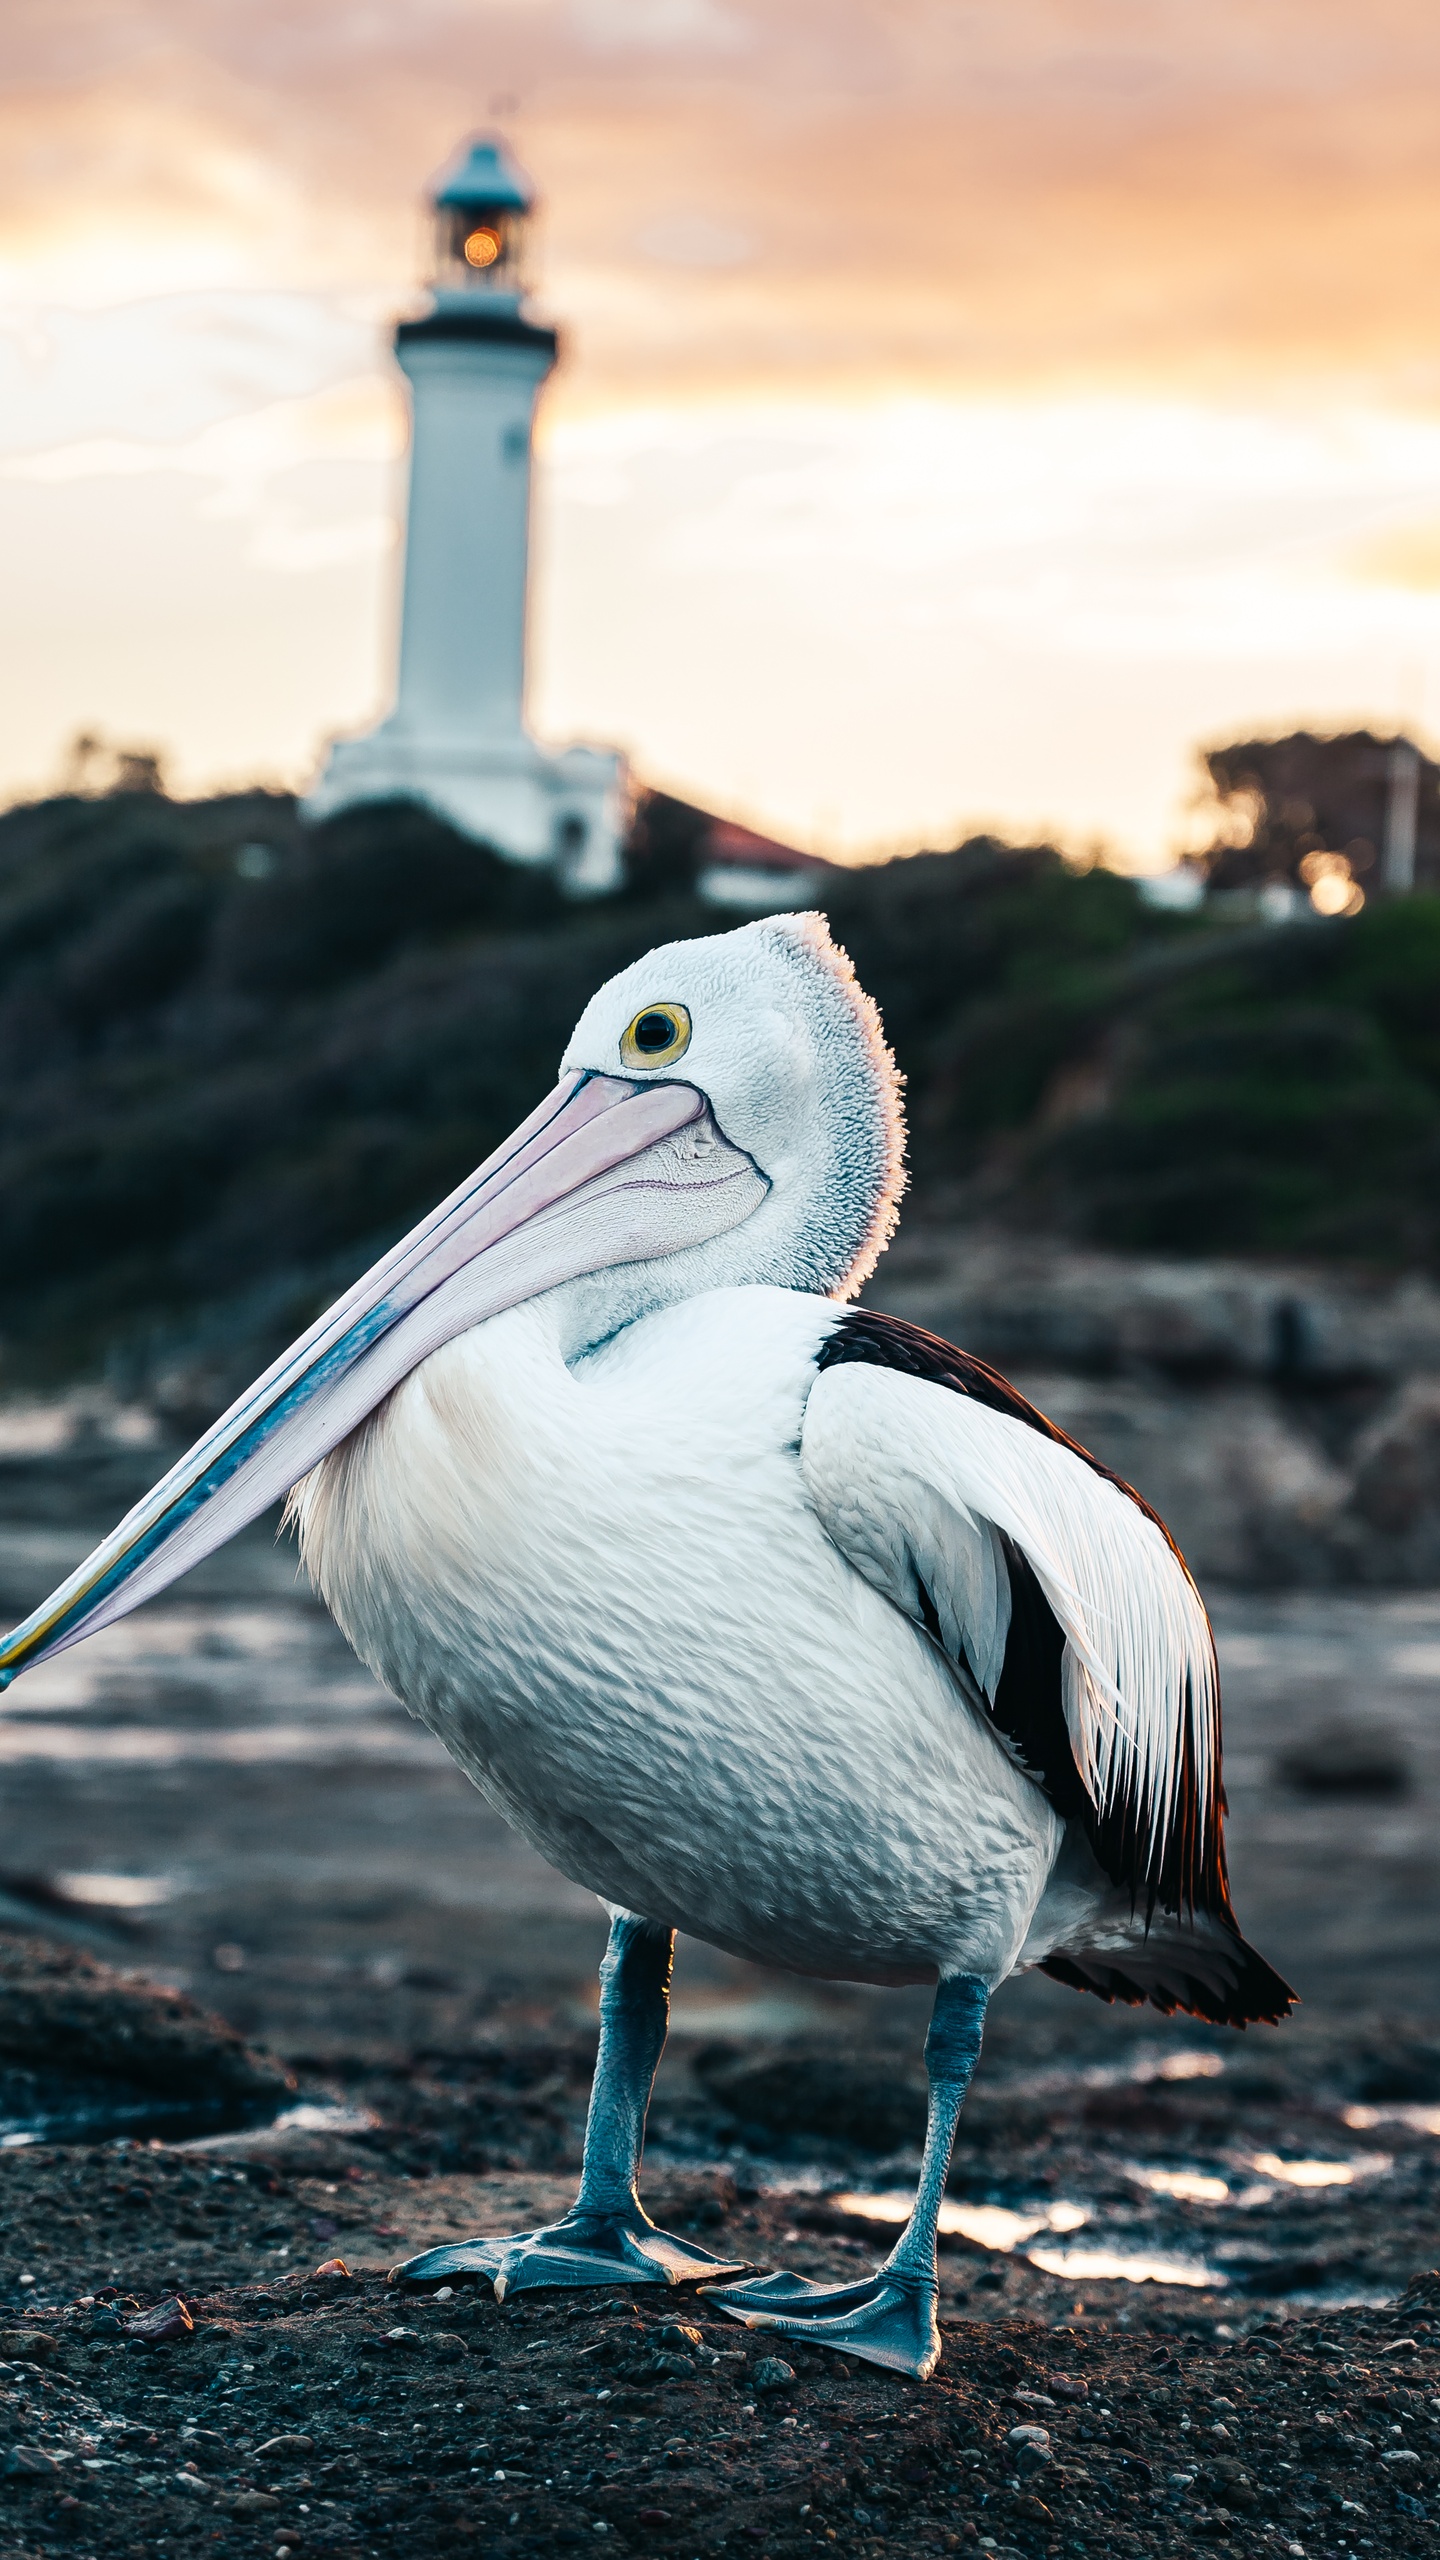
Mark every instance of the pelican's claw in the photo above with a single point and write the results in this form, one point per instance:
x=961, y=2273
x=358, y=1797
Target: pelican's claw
x=889, y=2319
x=588, y=2248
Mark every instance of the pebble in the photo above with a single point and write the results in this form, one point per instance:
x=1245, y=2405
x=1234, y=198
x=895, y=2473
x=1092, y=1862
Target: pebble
x=772, y=2374
x=285, y=2445
x=28, y=2346
x=166, y=2320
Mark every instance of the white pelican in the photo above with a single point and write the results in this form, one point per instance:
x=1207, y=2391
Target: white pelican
x=762, y=1617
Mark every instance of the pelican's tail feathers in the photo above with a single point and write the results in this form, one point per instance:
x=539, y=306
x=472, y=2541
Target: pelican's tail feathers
x=1203, y=1968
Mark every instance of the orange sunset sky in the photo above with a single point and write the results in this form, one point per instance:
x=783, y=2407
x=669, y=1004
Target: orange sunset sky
x=966, y=410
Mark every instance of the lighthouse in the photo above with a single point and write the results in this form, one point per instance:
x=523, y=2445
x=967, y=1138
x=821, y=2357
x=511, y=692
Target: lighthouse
x=475, y=363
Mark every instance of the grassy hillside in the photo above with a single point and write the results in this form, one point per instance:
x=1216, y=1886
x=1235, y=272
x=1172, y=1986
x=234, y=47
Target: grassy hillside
x=238, y=1056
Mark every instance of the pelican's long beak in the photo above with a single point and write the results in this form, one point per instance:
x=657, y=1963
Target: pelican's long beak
x=603, y=1173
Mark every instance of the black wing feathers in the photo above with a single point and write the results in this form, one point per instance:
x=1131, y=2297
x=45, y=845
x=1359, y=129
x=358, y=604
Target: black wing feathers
x=1189, y=1875
x=1189, y=1872
x=1028, y=1706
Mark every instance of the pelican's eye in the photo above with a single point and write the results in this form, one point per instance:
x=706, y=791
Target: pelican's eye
x=656, y=1036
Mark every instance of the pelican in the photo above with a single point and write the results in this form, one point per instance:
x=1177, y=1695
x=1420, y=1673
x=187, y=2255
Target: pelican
x=759, y=1614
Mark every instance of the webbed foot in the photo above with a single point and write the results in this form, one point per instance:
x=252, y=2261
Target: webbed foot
x=888, y=2319
x=581, y=2249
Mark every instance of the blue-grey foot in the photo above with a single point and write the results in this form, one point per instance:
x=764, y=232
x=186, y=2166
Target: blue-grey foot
x=584, y=2248
x=888, y=2319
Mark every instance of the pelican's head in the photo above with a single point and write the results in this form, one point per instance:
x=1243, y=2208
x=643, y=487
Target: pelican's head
x=770, y=1029
x=727, y=1114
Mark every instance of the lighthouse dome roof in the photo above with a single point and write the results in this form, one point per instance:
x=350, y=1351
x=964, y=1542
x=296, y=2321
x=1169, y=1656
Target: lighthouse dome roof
x=483, y=176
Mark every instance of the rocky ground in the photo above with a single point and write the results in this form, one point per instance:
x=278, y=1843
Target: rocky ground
x=202, y=2345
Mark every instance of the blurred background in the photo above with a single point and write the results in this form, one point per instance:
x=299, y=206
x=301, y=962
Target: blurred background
x=991, y=492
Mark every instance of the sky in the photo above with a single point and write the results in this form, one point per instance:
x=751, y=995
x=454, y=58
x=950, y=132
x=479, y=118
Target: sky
x=966, y=413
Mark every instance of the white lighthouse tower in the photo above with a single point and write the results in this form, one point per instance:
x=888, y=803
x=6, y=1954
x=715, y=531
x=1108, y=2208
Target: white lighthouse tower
x=456, y=737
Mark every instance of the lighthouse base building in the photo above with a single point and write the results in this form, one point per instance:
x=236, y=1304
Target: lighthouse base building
x=456, y=738
x=570, y=809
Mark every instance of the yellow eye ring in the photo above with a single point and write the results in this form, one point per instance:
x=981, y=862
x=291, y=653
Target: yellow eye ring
x=659, y=1034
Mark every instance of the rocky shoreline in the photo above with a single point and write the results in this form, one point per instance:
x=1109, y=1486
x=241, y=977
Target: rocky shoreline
x=1186, y=2300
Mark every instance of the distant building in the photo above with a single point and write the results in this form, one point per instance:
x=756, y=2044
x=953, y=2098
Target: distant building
x=456, y=738
x=740, y=869
x=1329, y=822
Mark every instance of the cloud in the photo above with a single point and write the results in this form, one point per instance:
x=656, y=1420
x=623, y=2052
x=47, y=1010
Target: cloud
x=964, y=406
x=681, y=239
x=169, y=366
x=1071, y=191
x=662, y=26
x=359, y=421
x=1407, y=556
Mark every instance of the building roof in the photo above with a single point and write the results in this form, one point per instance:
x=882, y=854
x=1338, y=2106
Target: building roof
x=483, y=177
x=740, y=846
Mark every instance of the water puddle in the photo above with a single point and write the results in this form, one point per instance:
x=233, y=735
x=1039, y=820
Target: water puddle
x=309, y=2115
x=78, y=2110
x=990, y=2226
x=52, y=2107
x=1319, y=2173
x=995, y=2227
x=1125, y=2266
x=1415, y=2119
x=112, y=1893
x=1188, y=2186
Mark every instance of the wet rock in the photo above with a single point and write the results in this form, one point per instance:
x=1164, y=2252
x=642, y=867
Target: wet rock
x=28, y=2346
x=168, y=2320
x=87, y=2050
x=1030, y=2448
x=284, y=2448
x=254, y=2502
x=1347, y=1758
x=1396, y=1490
x=772, y=2373
x=27, y=2461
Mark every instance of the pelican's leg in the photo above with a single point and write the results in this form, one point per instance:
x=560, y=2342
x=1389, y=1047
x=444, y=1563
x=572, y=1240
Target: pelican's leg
x=890, y=2318
x=606, y=2237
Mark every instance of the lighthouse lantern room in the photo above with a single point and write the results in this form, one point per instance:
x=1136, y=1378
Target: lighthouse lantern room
x=475, y=362
x=482, y=225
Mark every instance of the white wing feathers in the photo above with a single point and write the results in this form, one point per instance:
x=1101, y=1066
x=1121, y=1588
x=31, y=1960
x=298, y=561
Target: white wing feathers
x=913, y=1481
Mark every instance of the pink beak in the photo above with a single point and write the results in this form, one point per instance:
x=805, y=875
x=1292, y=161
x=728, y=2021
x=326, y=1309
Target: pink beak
x=571, y=1192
